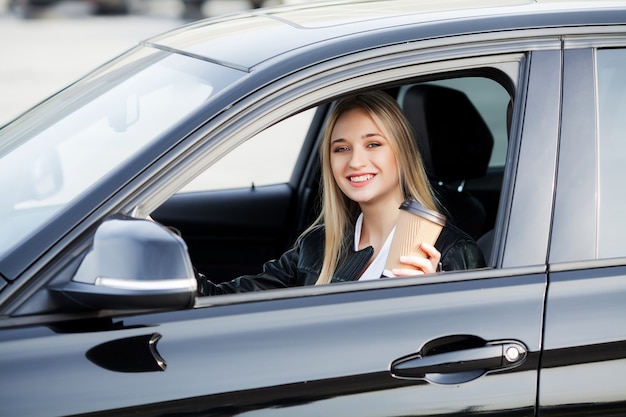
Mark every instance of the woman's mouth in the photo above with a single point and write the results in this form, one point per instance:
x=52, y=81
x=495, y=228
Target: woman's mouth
x=361, y=178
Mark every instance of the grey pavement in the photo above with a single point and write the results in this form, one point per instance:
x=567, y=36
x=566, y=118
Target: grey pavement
x=39, y=57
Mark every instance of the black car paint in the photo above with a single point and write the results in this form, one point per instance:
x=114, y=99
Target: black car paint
x=328, y=351
x=263, y=366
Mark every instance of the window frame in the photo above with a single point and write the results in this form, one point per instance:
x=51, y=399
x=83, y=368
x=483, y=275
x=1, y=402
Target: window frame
x=575, y=232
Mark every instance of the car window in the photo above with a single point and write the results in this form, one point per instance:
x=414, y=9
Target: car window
x=492, y=101
x=268, y=158
x=264, y=221
x=611, y=66
x=64, y=154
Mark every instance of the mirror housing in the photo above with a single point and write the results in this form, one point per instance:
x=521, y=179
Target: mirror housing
x=133, y=264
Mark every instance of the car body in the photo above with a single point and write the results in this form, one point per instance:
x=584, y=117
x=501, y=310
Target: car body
x=212, y=130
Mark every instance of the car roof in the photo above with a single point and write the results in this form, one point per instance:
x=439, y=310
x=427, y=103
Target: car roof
x=244, y=40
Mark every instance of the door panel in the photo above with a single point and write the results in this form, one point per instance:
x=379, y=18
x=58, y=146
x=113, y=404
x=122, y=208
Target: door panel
x=326, y=354
x=584, y=361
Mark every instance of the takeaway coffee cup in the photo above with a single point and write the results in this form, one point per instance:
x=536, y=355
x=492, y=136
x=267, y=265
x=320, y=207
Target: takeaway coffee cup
x=416, y=224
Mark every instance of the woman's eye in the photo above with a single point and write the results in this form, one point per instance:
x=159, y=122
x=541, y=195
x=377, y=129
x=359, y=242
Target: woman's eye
x=373, y=145
x=341, y=149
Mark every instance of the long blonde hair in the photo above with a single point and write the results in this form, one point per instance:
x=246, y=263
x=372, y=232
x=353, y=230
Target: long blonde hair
x=338, y=212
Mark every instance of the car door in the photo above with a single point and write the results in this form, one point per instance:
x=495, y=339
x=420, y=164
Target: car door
x=585, y=357
x=465, y=342
x=454, y=343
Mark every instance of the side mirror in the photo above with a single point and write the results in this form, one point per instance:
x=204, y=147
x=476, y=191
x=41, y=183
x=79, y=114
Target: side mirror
x=133, y=264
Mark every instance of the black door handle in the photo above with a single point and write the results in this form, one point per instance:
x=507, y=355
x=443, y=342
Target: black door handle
x=461, y=365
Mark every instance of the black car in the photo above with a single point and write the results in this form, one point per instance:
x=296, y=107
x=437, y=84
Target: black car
x=196, y=151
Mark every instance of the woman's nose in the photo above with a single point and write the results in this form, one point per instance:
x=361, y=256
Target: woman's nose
x=358, y=159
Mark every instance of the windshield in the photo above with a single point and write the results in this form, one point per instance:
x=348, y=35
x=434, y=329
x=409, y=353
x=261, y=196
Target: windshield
x=58, y=151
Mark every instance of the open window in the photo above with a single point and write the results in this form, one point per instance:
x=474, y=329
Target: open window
x=251, y=205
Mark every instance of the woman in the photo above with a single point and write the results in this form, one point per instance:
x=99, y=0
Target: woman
x=370, y=165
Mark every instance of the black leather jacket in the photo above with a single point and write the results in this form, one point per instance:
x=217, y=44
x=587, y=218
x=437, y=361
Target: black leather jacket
x=302, y=264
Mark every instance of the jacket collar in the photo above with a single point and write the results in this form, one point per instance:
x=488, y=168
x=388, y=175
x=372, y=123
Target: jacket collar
x=353, y=266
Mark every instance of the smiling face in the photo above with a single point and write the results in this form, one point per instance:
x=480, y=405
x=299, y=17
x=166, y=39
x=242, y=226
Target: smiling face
x=362, y=161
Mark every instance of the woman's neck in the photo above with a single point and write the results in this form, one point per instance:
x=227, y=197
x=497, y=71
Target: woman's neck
x=378, y=221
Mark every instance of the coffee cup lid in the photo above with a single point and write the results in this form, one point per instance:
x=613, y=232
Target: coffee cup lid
x=415, y=207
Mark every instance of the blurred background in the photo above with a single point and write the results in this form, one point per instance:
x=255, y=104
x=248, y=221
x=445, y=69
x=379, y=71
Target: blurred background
x=47, y=44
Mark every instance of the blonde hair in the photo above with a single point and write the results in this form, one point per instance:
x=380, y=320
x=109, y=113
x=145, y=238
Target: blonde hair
x=338, y=212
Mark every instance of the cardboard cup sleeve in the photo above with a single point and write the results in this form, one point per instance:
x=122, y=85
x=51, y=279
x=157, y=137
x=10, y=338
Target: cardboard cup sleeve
x=416, y=224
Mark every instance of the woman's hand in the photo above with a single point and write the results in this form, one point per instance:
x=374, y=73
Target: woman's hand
x=419, y=265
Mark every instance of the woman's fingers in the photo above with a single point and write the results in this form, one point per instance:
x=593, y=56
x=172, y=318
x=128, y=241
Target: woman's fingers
x=433, y=254
x=398, y=272
x=419, y=265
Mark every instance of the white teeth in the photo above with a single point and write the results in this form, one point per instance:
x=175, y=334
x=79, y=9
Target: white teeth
x=361, y=178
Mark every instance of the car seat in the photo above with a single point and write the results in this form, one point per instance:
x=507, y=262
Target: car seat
x=455, y=144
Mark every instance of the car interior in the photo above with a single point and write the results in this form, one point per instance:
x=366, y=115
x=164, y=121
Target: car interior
x=452, y=152
x=461, y=124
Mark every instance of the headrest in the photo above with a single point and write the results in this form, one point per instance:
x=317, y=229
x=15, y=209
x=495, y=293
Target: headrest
x=451, y=135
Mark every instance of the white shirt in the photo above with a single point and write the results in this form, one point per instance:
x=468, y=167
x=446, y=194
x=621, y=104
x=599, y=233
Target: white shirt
x=376, y=268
